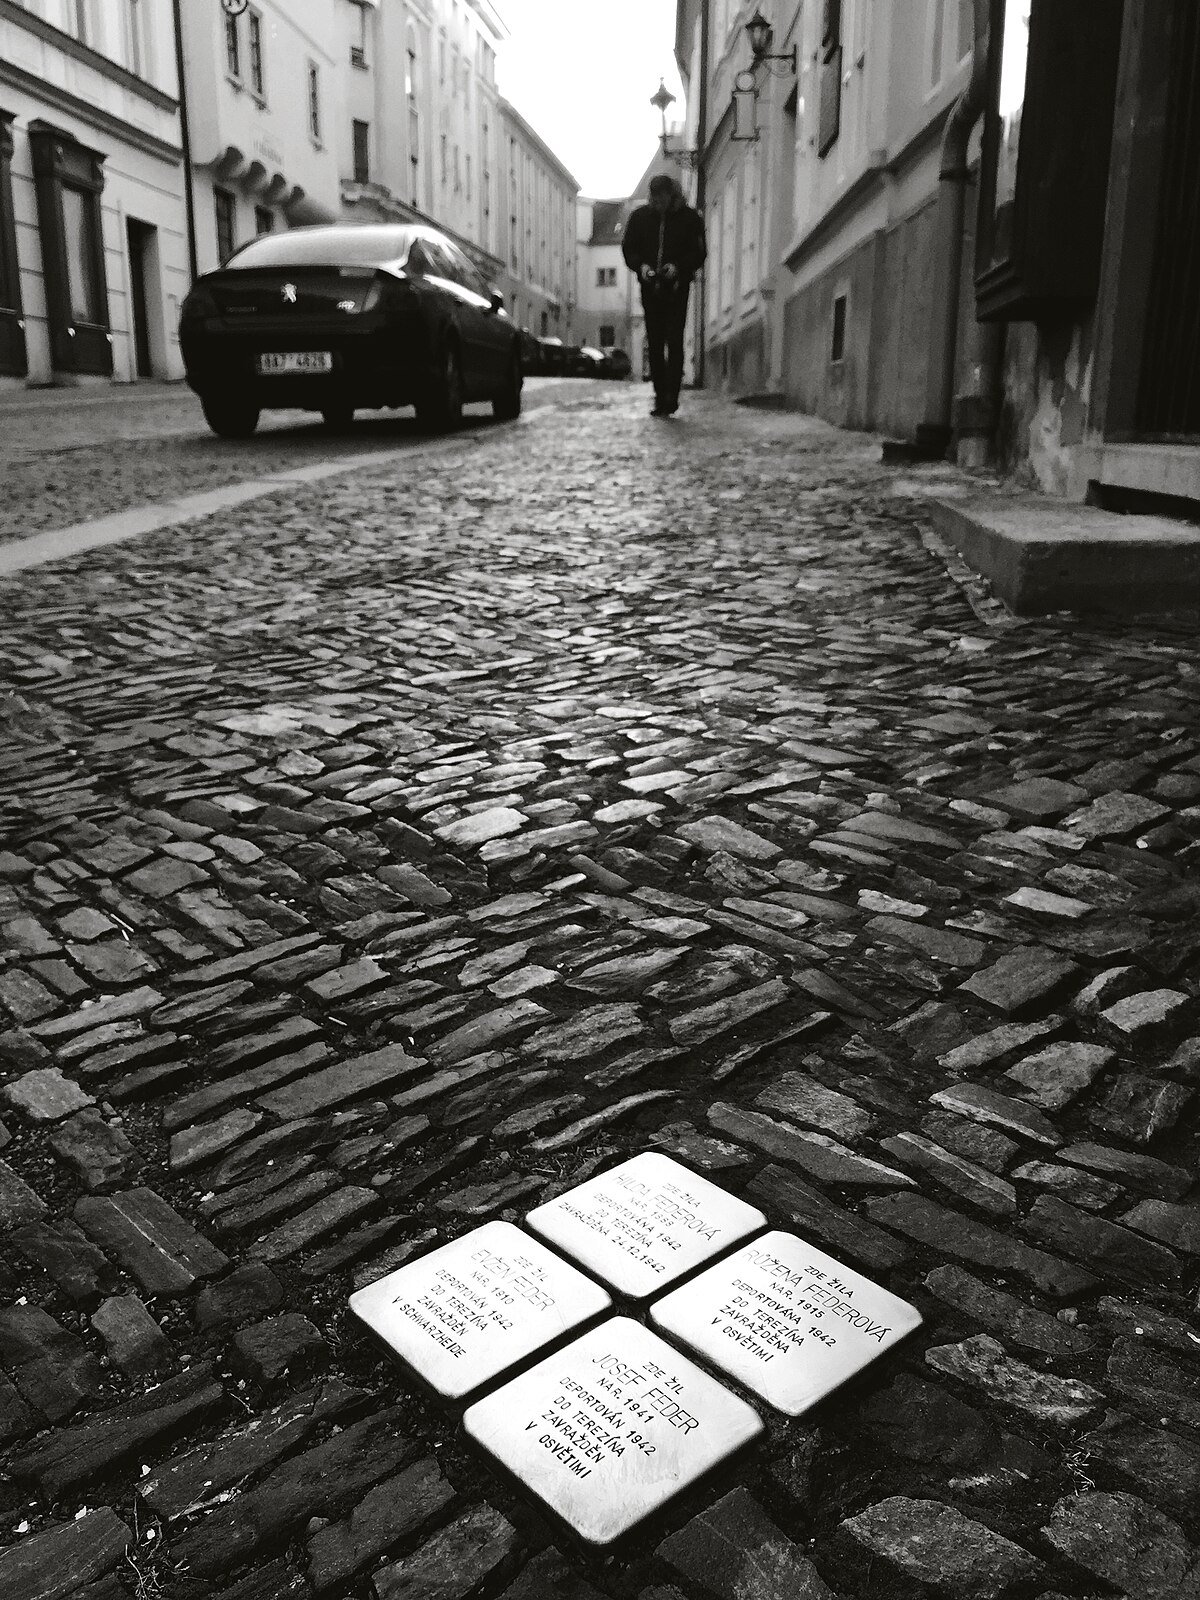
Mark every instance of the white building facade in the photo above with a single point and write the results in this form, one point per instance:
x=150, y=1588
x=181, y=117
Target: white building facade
x=93, y=232
x=820, y=192
x=419, y=138
x=608, y=297
x=119, y=184
x=264, y=112
x=538, y=199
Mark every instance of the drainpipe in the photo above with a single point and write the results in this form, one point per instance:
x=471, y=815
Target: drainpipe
x=933, y=435
x=185, y=140
x=702, y=191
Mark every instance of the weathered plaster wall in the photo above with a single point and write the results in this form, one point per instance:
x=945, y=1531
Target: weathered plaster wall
x=1046, y=393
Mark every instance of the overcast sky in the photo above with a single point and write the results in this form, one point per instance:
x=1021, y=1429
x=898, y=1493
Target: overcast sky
x=581, y=72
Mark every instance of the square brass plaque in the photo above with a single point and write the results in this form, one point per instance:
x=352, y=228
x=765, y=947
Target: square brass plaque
x=789, y=1322
x=610, y=1428
x=468, y=1312
x=640, y=1226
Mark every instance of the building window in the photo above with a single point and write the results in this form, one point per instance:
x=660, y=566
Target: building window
x=608, y=336
x=82, y=253
x=314, y=102
x=362, y=152
x=134, y=42
x=950, y=34
x=837, y=351
x=358, y=52
x=225, y=207
x=750, y=193
x=411, y=83
x=445, y=158
x=728, y=241
x=545, y=323
x=606, y=277
x=258, y=81
x=233, y=48
x=264, y=220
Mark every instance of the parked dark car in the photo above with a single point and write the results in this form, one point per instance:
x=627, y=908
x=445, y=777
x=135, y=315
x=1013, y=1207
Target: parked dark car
x=587, y=362
x=531, y=353
x=617, y=364
x=554, y=354
x=331, y=318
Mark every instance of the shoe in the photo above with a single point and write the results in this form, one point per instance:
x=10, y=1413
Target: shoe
x=670, y=408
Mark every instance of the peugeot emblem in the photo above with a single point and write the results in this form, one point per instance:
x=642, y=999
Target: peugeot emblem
x=289, y=293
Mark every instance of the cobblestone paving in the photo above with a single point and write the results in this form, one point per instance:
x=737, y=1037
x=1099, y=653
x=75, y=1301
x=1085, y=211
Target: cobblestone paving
x=68, y=455
x=394, y=856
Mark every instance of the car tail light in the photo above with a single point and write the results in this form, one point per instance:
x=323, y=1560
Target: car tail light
x=373, y=296
x=199, y=303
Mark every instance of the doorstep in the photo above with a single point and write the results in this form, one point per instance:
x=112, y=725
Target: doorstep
x=1051, y=555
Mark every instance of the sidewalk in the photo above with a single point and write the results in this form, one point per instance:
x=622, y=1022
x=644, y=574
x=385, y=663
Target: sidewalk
x=70, y=456
x=390, y=855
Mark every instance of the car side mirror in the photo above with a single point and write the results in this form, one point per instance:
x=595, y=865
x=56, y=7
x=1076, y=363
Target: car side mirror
x=496, y=300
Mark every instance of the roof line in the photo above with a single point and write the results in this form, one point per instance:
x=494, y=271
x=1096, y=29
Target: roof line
x=508, y=109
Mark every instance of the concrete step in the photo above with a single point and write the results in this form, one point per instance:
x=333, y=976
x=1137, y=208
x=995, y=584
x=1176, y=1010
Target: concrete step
x=1049, y=555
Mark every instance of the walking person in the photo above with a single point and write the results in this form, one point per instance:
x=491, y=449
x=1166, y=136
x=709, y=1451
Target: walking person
x=664, y=245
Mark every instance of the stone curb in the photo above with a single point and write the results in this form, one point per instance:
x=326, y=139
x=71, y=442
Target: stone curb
x=1047, y=555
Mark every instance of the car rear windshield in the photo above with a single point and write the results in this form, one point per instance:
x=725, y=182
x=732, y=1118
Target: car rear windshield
x=325, y=247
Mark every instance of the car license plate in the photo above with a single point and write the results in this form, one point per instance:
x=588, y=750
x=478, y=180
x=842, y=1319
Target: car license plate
x=272, y=362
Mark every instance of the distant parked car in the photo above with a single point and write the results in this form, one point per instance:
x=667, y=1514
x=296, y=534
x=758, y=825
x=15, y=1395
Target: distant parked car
x=553, y=355
x=617, y=364
x=331, y=318
x=531, y=353
x=588, y=363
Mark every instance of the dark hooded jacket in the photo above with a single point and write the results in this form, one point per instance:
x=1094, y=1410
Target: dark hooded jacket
x=653, y=238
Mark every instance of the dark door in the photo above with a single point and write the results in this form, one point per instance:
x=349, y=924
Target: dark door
x=1169, y=391
x=140, y=236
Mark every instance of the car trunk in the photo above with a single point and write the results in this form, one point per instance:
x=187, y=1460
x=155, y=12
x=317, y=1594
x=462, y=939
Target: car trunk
x=291, y=293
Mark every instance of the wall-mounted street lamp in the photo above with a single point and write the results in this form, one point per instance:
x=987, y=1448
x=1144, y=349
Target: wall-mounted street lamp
x=761, y=35
x=662, y=100
x=745, y=86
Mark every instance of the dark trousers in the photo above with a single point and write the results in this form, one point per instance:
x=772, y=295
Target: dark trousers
x=666, y=320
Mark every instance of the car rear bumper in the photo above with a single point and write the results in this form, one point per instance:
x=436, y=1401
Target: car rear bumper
x=374, y=367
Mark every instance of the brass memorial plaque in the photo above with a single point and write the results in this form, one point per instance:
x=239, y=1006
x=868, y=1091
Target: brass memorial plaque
x=478, y=1306
x=789, y=1322
x=641, y=1226
x=611, y=1427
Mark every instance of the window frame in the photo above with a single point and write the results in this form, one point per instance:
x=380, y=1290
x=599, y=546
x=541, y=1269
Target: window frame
x=839, y=326
x=224, y=211
x=360, y=136
x=314, y=101
x=261, y=214
x=255, y=55
x=233, y=49
x=135, y=37
x=358, y=52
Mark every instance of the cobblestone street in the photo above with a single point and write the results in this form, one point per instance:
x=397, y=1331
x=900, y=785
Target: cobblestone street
x=394, y=853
